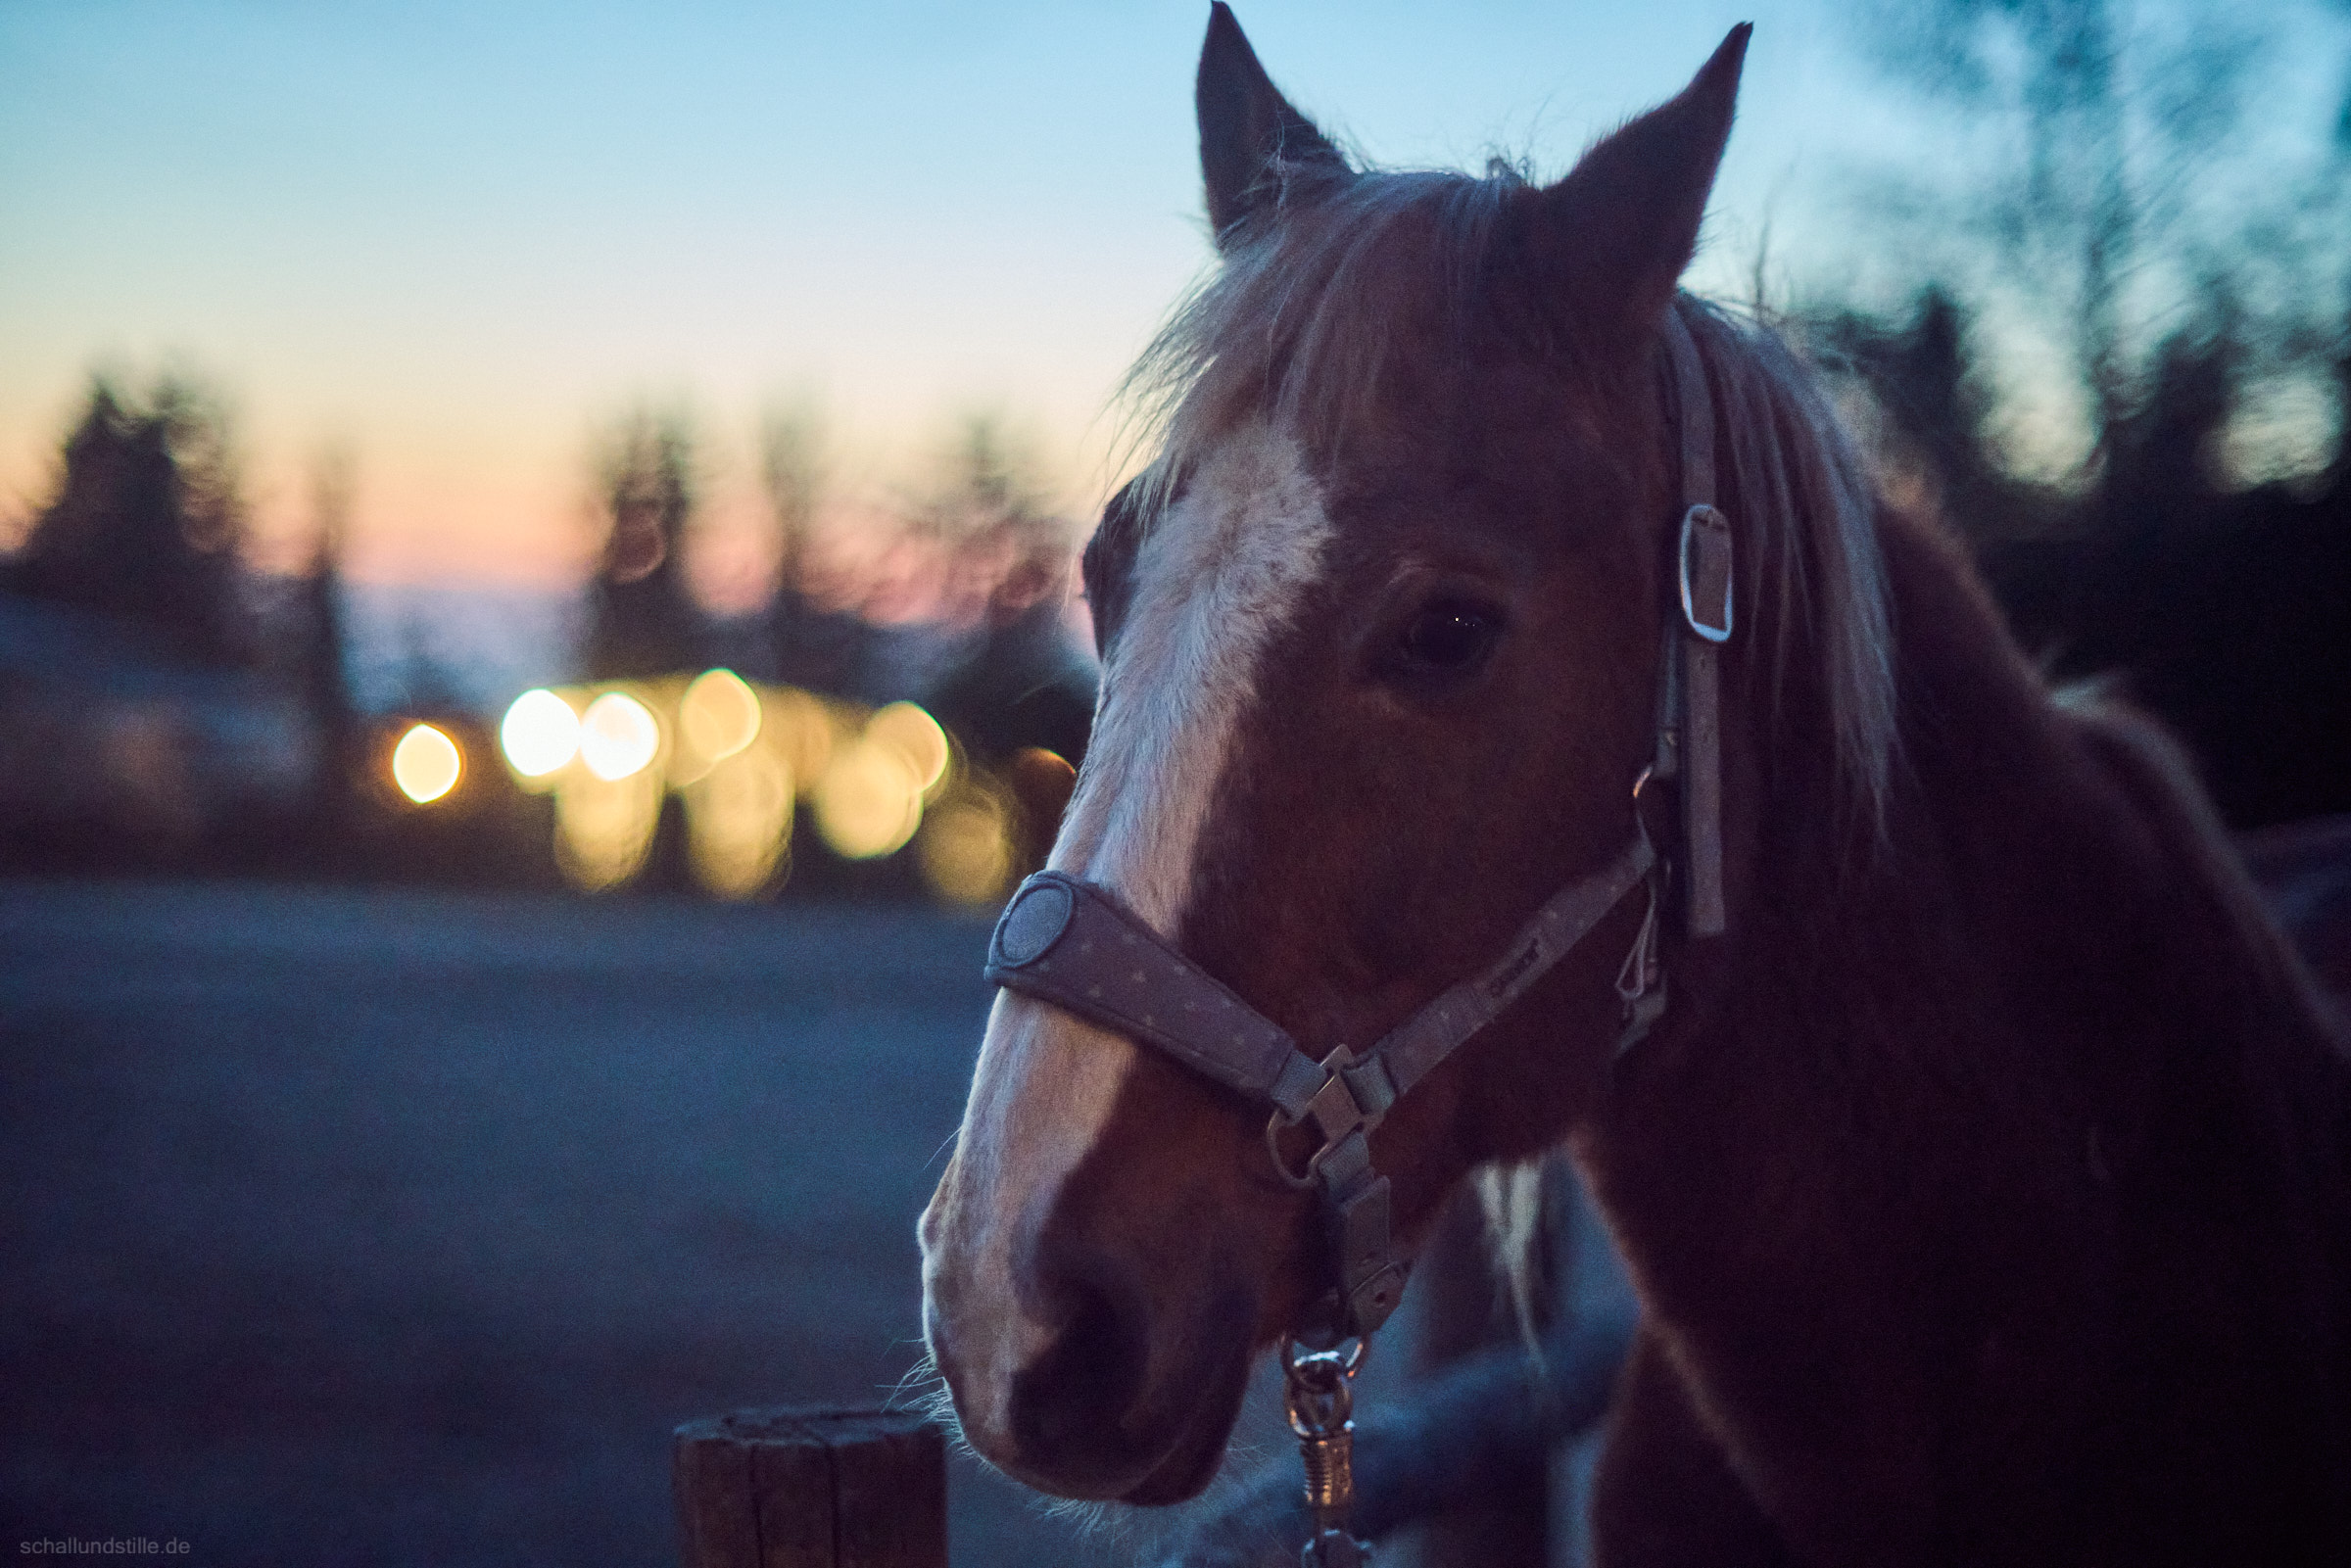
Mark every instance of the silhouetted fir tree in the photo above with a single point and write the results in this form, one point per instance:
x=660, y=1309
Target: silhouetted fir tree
x=318, y=655
x=1021, y=680
x=1922, y=374
x=2138, y=221
x=2226, y=612
x=146, y=523
x=817, y=647
x=642, y=621
x=988, y=480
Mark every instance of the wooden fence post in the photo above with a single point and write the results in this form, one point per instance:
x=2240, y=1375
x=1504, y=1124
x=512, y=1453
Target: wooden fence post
x=810, y=1489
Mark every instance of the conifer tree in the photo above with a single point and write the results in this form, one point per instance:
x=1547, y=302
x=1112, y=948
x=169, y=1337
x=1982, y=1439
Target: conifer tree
x=146, y=522
x=642, y=620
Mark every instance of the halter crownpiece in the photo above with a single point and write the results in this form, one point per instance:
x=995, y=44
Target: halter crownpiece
x=1067, y=942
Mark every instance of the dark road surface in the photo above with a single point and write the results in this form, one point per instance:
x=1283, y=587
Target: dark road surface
x=351, y=1228
x=345, y=1227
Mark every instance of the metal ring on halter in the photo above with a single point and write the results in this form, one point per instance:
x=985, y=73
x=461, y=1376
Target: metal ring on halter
x=1294, y=1361
x=1317, y=1395
x=1279, y=1123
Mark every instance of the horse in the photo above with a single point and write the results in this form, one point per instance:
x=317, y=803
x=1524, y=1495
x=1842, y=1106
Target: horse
x=1975, y=1142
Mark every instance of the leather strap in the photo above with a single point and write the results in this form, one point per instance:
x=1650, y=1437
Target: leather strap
x=1413, y=1048
x=1703, y=572
x=1067, y=942
x=1070, y=943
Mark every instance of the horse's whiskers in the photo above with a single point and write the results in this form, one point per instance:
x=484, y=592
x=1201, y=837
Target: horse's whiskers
x=922, y=1389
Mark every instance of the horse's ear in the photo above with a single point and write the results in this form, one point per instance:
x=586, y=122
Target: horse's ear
x=1612, y=238
x=1250, y=137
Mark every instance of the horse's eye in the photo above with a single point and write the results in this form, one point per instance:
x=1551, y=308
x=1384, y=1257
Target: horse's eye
x=1449, y=638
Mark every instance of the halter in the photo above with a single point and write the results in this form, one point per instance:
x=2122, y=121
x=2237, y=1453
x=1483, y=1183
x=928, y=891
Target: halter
x=1067, y=942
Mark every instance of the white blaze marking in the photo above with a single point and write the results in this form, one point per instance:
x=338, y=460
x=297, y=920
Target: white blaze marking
x=1215, y=579
x=1220, y=573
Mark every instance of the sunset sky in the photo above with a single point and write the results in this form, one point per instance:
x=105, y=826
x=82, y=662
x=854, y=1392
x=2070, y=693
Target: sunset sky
x=453, y=239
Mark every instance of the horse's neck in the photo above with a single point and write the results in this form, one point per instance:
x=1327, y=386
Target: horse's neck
x=1958, y=1017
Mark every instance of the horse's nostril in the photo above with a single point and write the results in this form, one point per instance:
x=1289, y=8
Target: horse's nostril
x=1073, y=1397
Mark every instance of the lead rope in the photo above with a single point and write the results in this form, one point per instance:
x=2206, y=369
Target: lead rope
x=1319, y=1395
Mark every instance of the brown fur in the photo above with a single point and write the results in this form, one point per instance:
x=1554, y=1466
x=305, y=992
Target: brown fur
x=1991, y=1206
x=1985, y=1186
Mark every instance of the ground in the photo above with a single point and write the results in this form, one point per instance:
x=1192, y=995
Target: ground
x=364, y=1227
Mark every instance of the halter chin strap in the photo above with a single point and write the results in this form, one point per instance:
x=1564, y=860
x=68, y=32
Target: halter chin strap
x=1069, y=943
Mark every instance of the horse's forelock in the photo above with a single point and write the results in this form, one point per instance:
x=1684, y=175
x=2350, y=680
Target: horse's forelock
x=1295, y=328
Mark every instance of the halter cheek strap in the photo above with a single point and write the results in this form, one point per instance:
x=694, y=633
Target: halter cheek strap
x=1693, y=650
x=1069, y=943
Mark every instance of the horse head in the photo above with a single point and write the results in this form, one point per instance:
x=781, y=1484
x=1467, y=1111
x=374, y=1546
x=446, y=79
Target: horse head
x=1380, y=637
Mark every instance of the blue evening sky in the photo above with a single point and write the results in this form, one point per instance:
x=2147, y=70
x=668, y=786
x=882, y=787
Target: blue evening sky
x=453, y=238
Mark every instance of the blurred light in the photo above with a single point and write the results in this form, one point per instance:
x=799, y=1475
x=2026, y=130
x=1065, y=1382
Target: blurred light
x=718, y=716
x=915, y=735
x=618, y=737
x=540, y=734
x=605, y=826
x=800, y=728
x=966, y=848
x=738, y=823
x=870, y=800
x=426, y=764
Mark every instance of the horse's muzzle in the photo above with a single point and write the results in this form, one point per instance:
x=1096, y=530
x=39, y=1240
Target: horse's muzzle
x=1091, y=1398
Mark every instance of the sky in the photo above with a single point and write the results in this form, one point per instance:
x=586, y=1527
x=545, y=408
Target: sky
x=453, y=240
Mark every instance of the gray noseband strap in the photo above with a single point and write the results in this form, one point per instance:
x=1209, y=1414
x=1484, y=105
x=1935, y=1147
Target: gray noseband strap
x=1070, y=944
x=1067, y=942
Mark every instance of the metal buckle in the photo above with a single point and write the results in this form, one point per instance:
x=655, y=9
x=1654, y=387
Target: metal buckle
x=1709, y=531
x=1335, y=1111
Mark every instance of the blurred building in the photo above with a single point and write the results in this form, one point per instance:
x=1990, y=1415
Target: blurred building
x=110, y=738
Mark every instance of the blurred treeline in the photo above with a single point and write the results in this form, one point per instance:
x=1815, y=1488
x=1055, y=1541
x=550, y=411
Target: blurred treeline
x=2119, y=360
x=2100, y=321
x=953, y=591
x=160, y=702
x=164, y=705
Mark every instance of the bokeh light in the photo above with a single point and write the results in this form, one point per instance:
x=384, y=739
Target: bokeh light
x=717, y=717
x=915, y=735
x=738, y=823
x=870, y=800
x=801, y=729
x=966, y=850
x=426, y=764
x=540, y=733
x=740, y=757
x=618, y=737
x=605, y=826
